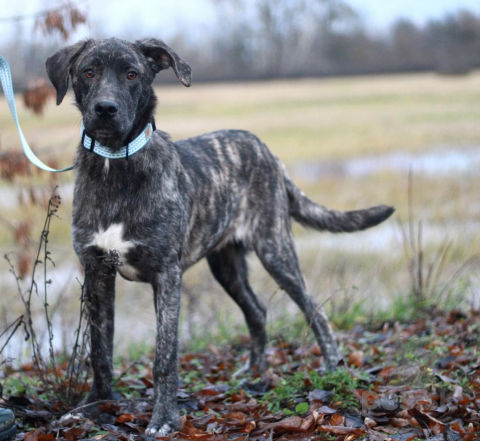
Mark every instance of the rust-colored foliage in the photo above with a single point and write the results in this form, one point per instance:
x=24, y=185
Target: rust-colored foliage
x=38, y=95
x=12, y=165
x=215, y=409
x=63, y=20
x=23, y=233
x=38, y=435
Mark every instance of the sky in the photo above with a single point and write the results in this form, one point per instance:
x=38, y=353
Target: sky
x=380, y=13
x=163, y=18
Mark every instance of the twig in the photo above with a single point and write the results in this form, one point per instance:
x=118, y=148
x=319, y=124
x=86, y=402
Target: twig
x=425, y=278
x=123, y=401
x=73, y=374
x=17, y=323
x=126, y=370
x=43, y=13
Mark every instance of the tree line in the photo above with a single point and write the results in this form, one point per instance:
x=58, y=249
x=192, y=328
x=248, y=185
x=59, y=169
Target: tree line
x=267, y=39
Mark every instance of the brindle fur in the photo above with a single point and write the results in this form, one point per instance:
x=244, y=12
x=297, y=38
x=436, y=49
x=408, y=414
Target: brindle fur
x=216, y=196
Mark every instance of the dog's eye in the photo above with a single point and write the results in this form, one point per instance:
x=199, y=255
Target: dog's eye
x=132, y=75
x=89, y=73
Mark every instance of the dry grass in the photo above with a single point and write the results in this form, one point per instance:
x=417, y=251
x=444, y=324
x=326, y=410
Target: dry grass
x=306, y=120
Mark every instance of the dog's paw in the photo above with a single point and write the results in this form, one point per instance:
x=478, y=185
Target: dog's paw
x=242, y=371
x=154, y=430
x=70, y=419
x=251, y=368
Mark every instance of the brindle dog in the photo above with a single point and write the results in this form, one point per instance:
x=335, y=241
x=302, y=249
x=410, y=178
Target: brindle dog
x=163, y=209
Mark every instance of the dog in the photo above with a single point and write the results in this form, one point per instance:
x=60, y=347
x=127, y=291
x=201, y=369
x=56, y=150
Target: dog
x=151, y=215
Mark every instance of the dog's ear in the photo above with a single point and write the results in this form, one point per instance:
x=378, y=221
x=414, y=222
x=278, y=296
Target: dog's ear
x=58, y=67
x=162, y=57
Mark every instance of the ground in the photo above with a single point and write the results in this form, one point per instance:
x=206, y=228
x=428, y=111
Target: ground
x=419, y=380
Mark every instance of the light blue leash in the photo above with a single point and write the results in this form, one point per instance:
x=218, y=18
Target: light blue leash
x=88, y=142
x=6, y=79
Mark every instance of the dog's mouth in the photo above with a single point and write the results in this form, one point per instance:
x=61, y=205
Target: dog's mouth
x=103, y=133
x=107, y=135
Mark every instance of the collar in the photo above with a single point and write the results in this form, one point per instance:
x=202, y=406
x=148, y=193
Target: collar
x=123, y=152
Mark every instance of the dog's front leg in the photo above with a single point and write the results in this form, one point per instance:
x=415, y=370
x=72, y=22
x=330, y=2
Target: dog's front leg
x=166, y=417
x=100, y=297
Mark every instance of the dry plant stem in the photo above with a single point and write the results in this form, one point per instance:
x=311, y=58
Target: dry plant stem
x=472, y=260
x=15, y=325
x=126, y=370
x=76, y=365
x=119, y=402
x=54, y=308
x=52, y=209
x=38, y=363
x=68, y=388
x=425, y=279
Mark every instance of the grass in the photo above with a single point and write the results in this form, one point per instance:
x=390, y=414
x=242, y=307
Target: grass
x=340, y=382
x=301, y=121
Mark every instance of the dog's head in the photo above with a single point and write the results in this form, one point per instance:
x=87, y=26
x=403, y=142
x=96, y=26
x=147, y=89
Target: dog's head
x=112, y=81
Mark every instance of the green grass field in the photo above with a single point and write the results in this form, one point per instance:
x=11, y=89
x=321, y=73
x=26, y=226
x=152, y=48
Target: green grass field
x=311, y=121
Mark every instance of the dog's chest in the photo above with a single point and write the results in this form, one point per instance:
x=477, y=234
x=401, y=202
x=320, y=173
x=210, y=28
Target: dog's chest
x=99, y=223
x=112, y=241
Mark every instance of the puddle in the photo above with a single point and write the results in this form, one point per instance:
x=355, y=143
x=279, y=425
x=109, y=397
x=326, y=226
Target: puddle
x=12, y=198
x=441, y=161
x=387, y=238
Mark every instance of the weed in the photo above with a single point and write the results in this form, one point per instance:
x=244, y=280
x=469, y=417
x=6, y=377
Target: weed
x=426, y=277
x=136, y=350
x=67, y=383
x=349, y=314
x=20, y=386
x=341, y=382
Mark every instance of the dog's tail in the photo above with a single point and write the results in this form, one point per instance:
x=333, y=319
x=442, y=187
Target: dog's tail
x=311, y=215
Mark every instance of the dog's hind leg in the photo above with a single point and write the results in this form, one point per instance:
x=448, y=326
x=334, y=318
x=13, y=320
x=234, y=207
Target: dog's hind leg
x=275, y=249
x=229, y=267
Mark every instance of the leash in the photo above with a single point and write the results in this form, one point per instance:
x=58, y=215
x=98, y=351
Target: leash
x=88, y=142
x=6, y=79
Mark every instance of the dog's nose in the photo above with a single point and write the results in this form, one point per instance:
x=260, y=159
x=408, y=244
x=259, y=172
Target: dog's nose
x=106, y=109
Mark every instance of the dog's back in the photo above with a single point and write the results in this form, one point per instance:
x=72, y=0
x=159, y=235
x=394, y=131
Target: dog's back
x=239, y=184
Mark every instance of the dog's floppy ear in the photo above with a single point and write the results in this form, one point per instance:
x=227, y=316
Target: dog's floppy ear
x=58, y=67
x=162, y=57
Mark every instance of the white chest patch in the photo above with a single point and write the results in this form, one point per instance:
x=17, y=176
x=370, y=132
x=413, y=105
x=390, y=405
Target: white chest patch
x=112, y=239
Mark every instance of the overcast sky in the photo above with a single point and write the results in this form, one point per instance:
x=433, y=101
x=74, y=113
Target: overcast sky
x=162, y=18
x=380, y=13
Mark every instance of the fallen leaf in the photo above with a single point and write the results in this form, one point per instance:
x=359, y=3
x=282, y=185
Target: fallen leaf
x=126, y=417
x=38, y=435
x=356, y=358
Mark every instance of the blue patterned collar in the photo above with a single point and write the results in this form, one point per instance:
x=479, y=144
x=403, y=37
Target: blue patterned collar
x=123, y=152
